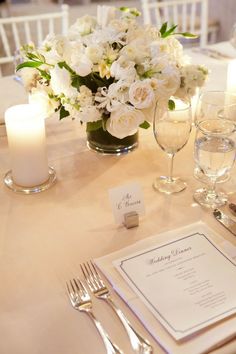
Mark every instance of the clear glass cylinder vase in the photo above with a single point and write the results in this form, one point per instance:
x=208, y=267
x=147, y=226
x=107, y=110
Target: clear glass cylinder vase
x=101, y=141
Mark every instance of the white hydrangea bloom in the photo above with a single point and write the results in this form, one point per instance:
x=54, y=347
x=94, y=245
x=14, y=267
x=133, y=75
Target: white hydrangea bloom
x=29, y=77
x=89, y=114
x=40, y=96
x=84, y=26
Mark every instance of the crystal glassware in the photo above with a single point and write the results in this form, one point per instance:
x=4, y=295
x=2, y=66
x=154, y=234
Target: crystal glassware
x=214, y=153
x=171, y=130
x=212, y=105
x=233, y=36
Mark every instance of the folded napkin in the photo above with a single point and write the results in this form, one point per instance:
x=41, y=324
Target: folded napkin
x=199, y=343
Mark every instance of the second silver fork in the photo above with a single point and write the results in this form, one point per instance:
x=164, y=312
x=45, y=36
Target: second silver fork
x=99, y=289
x=80, y=300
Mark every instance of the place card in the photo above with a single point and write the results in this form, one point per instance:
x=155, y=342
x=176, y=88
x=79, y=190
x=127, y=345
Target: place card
x=187, y=283
x=125, y=199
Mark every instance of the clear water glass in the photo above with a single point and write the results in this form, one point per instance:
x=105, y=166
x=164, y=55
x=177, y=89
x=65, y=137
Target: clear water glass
x=233, y=36
x=214, y=153
x=212, y=105
x=18, y=59
x=171, y=130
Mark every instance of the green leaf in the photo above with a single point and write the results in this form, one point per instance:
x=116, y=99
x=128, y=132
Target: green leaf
x=132, y=11
x=189, y=35
x=32, y=56
x=44, y=74
x=124, y=9
x=63, y=112
x=163, y=28
x=29, y=64
x=76, y=81
x=63, y=64
x=171, y=105
x=92, y=81
x=145, y=125
x=169, y=32
x=91, y=126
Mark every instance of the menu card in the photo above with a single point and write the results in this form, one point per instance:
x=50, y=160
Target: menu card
x=187, y=283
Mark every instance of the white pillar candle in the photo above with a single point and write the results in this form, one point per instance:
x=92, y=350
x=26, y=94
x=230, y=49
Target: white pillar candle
x=27, y=145
x=231, y=77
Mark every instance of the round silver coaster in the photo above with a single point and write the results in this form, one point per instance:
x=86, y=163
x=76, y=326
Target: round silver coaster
x=30, y=190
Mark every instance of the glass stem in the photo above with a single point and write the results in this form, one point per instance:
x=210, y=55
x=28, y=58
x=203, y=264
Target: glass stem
x=170, y=176
x=212, y=189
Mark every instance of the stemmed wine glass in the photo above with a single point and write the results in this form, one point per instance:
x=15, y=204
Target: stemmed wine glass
x=171, y=130
x=214, y=153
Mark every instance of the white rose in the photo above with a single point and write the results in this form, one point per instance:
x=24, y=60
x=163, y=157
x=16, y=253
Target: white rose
x=141, y=94
x=46, y=105
x=124, y=121
x=61, y=82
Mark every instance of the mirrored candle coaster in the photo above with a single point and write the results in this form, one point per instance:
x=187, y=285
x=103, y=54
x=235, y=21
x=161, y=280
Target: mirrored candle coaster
x=8, y=180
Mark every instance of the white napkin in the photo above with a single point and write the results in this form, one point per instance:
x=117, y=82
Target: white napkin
x=200, y=343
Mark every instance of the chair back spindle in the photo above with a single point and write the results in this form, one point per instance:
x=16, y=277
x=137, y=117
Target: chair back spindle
x=189, y=15
x=20, y=30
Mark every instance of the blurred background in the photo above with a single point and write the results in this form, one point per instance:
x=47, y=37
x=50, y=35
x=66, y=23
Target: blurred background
x=222, y=11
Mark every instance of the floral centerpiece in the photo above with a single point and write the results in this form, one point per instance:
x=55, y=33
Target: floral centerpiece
x=110, y=73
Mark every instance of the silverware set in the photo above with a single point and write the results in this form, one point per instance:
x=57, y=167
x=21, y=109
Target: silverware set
x=223, y=217
x=81, y=301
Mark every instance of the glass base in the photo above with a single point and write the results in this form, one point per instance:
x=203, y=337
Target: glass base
x=104, y=143
x=200, y=176
x=164, y=185
x=202, y=197
x=30, y=190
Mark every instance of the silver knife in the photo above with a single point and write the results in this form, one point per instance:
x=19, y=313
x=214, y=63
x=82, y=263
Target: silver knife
x=225, y=220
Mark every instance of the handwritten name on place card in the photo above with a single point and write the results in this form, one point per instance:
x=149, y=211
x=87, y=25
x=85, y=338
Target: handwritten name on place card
x=125, y=199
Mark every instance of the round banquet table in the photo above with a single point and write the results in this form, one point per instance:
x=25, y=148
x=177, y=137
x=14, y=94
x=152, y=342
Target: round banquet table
x=44, y=237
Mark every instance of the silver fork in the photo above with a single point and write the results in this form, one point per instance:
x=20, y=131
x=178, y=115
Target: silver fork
x=81, y=301
x=99, y=289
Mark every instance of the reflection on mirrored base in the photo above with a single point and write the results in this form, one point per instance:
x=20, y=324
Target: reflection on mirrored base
x=30, y=190
x=210, y=200
x=166, y=185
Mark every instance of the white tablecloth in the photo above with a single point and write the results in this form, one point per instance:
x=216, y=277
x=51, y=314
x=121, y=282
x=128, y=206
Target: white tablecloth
x=44, y=237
